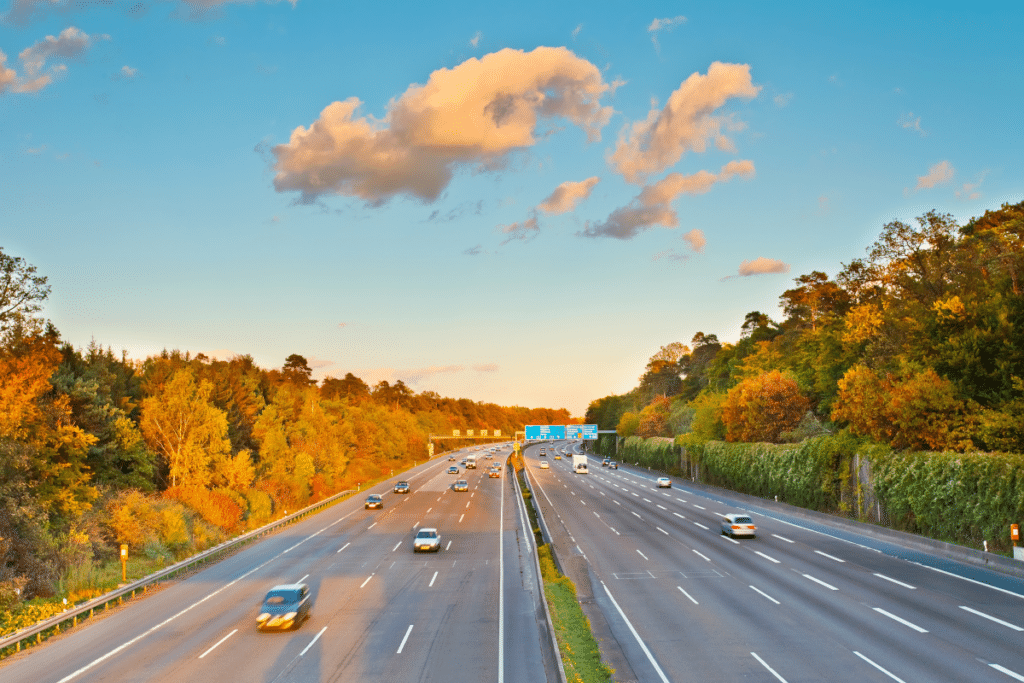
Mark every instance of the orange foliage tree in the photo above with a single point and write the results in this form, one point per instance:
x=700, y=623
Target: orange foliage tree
x=914, y=409
x=761, y=408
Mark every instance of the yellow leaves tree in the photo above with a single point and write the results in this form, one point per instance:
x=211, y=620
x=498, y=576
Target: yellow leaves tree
x=180, y=423
x=761, y=408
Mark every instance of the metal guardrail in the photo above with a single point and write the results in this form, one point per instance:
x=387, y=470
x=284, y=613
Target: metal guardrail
x=36, y=633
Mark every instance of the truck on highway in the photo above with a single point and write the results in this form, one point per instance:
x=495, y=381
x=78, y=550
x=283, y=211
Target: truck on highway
x=579, y=463
x=470, y=462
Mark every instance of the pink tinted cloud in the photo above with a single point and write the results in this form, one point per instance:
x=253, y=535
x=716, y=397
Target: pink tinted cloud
x=686, y=123
x=567, y=196
x=653, y=206
x=473, y=114
x=70, y=43
x=939, y=174
x=762, y=266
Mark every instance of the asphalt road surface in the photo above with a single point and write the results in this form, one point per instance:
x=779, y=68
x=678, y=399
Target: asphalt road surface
x=795, y=604
x=470, y=612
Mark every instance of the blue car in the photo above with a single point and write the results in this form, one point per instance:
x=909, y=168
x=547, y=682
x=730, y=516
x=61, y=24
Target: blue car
x=285, y=607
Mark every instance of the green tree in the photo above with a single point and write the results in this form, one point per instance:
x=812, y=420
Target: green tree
x=22, y=292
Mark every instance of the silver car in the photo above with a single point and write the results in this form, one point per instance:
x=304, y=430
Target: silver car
x=427, y=540
x=738, y=524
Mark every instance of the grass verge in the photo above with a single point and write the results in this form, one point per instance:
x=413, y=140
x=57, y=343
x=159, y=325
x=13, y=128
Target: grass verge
x=581, y=657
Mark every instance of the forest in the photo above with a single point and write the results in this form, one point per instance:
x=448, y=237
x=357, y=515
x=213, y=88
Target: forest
x=177, y=452
x=920, y=345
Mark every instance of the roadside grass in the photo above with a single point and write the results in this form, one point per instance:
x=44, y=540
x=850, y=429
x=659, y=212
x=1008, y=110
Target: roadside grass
x=581, y=657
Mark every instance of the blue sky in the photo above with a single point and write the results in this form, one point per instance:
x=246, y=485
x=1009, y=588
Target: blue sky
x=514, y=204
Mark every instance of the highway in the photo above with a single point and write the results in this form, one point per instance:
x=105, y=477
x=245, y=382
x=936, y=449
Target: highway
x=681, y=602
x=470, y=612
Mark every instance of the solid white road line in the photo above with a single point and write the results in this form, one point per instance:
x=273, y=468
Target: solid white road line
x=820, y=582
x=831, y=557
x=992, y=618
x=303, y=578
x=767, y=557
x=432, y=579
x=404, y=640
x=783, y=538
x=902, y=621
x=315, y=638
x=636, y=635
x=1011, y=674
x=887, y=673
x=765, y=665
x=758, y=590
x=703, y=555
x=898, y=583
x=218, y=643
x=687, y=595
x=641, y=555
x=957, y=576
x=367, y=580
x=343, y=547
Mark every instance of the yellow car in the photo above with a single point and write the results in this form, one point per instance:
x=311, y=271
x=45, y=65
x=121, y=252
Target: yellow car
x=557, y=456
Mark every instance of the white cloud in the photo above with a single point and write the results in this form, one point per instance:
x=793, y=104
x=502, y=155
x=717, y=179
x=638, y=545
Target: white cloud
x=910, y=123
x=783, y=99
x=663, y=25
x=486, y=367
x=567, y=196
x=576, y=31
x=653, y=206
x=69, y=44
x=939, y=174
x=474, y=251
x=969, y=190
x=475, y=40
x=762, y=266
x=474, y=114
x=686, y=123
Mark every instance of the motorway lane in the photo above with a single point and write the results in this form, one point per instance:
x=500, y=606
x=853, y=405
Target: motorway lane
x=784, y=600
x=368, y=589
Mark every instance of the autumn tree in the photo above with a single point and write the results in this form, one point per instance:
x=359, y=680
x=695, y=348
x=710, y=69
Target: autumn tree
x=181, y=424
x=761, y=408
x=22, y=292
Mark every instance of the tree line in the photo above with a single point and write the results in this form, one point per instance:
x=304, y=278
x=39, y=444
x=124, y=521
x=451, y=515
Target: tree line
x=176, y=452
x=919, y=345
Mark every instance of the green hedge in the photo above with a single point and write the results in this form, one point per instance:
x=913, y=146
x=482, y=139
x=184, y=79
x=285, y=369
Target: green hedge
x=811, y=474
x=963, y=498
x=657, y=453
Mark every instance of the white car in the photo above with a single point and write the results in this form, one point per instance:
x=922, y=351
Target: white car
x=738, y=524
x=544, y=465
x=664, y=483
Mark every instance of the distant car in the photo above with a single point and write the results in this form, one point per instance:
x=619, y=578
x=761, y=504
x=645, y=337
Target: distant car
x=613, y=465
x=461, y=485
x=738, y=524
x=544, y=465
x=664, y=483
x=374, y=501
x=463, y=463
x=402, y=487
x=451, y=458
x=285, y=606
x=495, y=473
x=453, y=470
x=604, y=463
x=557, y=456
x=427, y=540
